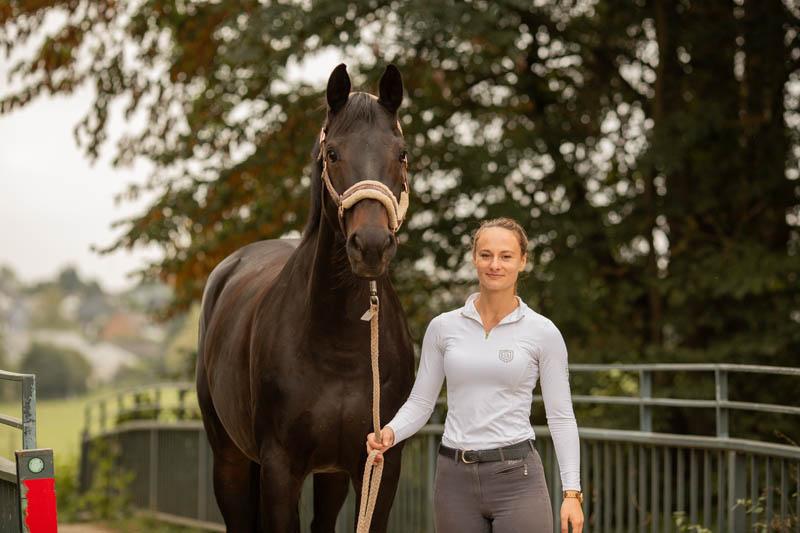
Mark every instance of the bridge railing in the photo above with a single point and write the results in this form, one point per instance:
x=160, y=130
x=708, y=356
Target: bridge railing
x=167, y=402
x=634, y=480
x=721, y=402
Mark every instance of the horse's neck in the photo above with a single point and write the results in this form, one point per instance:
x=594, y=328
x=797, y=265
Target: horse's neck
x=336, y=297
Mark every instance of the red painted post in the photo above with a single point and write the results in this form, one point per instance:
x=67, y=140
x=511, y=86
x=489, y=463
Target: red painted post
x=37, y=492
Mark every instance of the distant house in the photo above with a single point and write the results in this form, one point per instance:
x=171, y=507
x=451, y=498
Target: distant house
x=134, y=332
x=94, y=308
x=149, y=297
x=14, y=311
x=15, y=318
x=122, y=325
x=69, y=307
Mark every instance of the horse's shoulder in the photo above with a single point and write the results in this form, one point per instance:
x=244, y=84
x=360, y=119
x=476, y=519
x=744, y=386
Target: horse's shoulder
x=268, y=246
x=262, y=261
x=266, y=257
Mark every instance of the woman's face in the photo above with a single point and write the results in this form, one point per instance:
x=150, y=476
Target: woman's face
x=498, y=259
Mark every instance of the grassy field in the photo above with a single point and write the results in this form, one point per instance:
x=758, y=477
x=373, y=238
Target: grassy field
x=59, y=424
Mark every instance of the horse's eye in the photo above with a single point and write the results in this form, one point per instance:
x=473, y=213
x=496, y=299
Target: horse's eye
x=404, y=157
x=332, y=155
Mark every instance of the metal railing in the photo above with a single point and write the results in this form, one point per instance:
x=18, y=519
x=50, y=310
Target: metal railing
x=720, y=403
x=28, y=421
x=634, y=480
x=167, y=402
x=9, y=488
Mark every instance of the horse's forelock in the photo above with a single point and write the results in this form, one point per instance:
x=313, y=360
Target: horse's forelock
x=361, y=108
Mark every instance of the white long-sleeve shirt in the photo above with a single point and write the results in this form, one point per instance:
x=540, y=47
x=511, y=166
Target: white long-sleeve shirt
x=490, y=382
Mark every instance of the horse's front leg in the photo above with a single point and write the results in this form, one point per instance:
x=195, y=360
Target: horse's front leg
x=279, y=494
x=330, y=491
x=386, y=492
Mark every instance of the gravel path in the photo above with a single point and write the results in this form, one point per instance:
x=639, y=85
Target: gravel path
x=83, y=528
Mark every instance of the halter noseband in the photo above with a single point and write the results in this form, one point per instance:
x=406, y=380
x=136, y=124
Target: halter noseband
x=362, y=190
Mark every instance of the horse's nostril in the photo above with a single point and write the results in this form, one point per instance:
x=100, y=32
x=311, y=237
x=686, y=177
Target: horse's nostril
x=358, y=243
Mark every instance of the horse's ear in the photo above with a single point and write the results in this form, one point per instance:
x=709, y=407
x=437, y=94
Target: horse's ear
x=338, y=88
x=391, y=89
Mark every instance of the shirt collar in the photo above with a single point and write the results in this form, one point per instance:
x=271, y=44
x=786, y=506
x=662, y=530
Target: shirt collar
x=470, y=311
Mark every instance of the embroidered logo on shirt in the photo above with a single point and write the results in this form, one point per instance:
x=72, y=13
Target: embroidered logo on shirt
x=506, y=355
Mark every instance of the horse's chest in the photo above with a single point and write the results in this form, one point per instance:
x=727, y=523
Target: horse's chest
x=342, y=407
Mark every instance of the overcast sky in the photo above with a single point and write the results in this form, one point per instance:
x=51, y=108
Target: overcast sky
x=54, y=205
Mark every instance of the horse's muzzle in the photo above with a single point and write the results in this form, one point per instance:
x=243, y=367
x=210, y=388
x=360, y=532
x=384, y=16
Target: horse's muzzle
x=370, y=249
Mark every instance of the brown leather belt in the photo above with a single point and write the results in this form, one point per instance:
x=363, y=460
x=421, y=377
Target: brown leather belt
x=514, y=451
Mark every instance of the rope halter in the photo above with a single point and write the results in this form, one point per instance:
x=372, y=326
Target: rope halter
x=362, y=190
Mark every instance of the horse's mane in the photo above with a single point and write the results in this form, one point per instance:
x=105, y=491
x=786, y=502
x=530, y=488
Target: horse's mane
x=361, y=108
x=315, y=207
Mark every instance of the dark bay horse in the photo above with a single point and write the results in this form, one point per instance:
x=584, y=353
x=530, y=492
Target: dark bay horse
x=283, y=370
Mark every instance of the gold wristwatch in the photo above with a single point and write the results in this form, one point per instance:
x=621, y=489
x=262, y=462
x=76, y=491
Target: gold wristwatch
x=574, y=494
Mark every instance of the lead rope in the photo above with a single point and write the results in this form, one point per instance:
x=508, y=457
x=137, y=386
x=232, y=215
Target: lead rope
x=371, y=481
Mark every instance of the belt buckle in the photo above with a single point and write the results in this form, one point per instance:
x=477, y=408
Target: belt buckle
x=464, y=458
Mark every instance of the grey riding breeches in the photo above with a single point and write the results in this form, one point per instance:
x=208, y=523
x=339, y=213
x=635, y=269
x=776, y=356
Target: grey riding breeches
x=492, y=497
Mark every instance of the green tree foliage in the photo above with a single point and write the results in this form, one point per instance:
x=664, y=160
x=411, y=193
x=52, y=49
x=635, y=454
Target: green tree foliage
x=69, y=281
x=8, y=278
x=649, y=147
x=59, y=372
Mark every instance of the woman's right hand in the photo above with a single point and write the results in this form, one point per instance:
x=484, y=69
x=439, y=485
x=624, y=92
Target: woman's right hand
x=387, y=441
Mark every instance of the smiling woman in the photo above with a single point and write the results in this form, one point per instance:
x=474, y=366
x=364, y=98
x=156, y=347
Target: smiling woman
x=501, y=255
x=493, y=351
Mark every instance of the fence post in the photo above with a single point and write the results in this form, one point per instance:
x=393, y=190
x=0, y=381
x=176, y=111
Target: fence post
x=645, y=393
x=157, y=404
x=721, y=395
x=36, y=481
x=431, y=471
x=737, y=478
x=28, y=412
x=180, y=413
x=153, y=481
x=102, y=416
x=87, y=419
x=202, y=477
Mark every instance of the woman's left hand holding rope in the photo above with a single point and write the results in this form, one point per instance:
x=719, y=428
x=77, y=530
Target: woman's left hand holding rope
x=387, y=441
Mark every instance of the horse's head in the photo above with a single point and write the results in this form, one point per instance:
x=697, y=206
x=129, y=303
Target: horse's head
x=365, y=169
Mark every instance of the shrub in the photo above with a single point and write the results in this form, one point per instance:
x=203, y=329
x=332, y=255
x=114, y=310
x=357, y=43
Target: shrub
x=105, y=498
x=60, y=372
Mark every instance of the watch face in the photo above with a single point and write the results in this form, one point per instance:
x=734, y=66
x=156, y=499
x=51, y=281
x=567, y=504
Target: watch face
x=35, y=465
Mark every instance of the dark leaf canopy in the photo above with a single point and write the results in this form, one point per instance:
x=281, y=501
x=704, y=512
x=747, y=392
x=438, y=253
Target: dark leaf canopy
x=650, y=148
